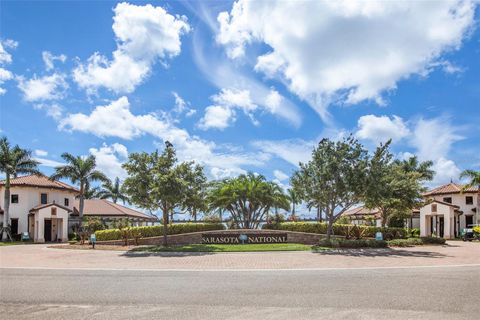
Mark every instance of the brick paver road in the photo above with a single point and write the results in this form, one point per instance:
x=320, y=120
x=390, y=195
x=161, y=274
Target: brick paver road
x=40, y=256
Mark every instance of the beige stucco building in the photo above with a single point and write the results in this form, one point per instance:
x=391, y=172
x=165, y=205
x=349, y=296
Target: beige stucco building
x=47, y=209
x=449, y=209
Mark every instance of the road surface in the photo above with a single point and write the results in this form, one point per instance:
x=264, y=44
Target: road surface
x=443, y=292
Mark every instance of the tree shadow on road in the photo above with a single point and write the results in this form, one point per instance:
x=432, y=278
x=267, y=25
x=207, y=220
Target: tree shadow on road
x=382, y=253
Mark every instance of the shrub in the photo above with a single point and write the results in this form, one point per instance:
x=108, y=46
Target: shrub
x=410, y=242
x=344, y=243
x=414, y=232
x=346, y=230
x=156, y=231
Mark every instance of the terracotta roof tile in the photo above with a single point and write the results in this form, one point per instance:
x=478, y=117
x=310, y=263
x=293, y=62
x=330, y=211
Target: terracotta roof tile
x=41, y=206
x=102, y=207
x=450, y=188
x=38, y=181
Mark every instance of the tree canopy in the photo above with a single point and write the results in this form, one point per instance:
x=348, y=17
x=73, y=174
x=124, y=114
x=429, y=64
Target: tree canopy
x=248, y=198
x=114, y=191
x=334, y=178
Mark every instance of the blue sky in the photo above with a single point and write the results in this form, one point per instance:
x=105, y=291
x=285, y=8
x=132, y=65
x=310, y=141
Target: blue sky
x=245, y=86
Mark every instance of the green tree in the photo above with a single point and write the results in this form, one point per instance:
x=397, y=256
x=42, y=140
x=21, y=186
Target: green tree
x=294, y=199
x=334, y=178
x=474, y=181
x=195, y=189
x=14, y=161
x=90, y=192
x=248, y=198
x=81, y=171
x=114, y=191
x=394, y=187
x=155, y=182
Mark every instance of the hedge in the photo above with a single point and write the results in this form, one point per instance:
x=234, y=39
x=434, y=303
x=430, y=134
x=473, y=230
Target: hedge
x=156, y=231
x=361, y=243
x=410, y=242
x=346, y=230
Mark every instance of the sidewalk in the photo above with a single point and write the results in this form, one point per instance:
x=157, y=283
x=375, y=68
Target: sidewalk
x=39, y=256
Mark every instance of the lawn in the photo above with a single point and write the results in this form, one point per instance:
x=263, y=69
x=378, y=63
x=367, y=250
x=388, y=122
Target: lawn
x=228, y=248
x=12, y=243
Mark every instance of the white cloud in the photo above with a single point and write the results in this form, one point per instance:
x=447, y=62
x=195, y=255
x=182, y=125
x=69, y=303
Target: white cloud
x=445, y=171
x=280, y=175
x=49, y=59
x=116, y=120
x=50, y=87
x=434, y=137
x=144, y=35
x=381, y=128
x=48, y=163
x=345, y=51
x=181, y=106
x=53, y=110
x=5, y=58
x=109, y=159
x=223, y=74
x=293, y=151
x=218, y=117
x=40, y=153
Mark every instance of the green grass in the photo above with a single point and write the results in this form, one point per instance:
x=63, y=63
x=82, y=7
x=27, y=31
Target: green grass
x=13, y=243
x=228, y=248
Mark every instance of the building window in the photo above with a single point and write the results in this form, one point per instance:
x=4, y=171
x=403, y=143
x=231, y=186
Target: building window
x=65, y=202
x=434, y=207
x=447, y=199
x=43, y=198
x=469, y=200
x=14, y=198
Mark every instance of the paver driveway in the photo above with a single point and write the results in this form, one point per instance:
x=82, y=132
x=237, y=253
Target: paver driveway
x=40, y=256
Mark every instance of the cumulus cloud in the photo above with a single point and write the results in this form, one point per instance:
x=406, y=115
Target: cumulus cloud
x=109, y=159
x=144, y=35
x=116, y=120
x=222, y=113
x=49, y=59
x=182, y=106
x=5, y=58
x=345, y=51
x=50, y=87
x=381, y=128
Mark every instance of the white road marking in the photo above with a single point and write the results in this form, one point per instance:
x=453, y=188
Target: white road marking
x=244, y=270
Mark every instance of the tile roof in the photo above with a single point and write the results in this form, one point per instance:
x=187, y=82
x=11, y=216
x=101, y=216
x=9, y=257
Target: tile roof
x=40, y=181
x=446, y=203
x=41, y=206
x=450, y=188
x=102, y=207
x=360, y=211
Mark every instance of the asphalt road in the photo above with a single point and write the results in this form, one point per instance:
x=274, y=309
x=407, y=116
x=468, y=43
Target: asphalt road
x=403, y=293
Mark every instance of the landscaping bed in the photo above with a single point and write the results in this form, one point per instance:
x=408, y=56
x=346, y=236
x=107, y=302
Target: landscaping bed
x=228, y=248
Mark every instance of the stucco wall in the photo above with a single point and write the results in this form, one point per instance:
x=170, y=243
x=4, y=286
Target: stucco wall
x=29, y=197
x=460, y=200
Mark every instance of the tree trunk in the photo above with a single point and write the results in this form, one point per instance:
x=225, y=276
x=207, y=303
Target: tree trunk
x=165, y=225
x=330, y=226
x=319, y=214
x=293, y=208
x=194, y=214
x=7, y=206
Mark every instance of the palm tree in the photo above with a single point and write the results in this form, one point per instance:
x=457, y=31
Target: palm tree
x=14, y=161
x=248, y=198
x=294, y=199
x=413, y=165
x=90, y=193
x=474, y=177
x=81, y=171
x=113, y=191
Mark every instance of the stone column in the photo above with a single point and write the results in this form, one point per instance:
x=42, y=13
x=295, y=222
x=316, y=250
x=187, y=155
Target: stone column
x=64, y=229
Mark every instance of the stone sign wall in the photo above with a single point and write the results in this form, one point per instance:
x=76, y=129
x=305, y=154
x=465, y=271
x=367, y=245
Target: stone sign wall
x=238, y=238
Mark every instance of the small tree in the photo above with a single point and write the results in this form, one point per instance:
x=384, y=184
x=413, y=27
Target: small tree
x=393, y=187
x=195, y=189
x=474, y=181
x=334, y=179
x=155, y=182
